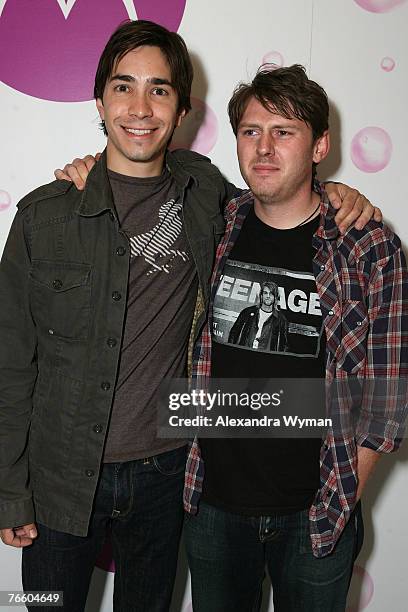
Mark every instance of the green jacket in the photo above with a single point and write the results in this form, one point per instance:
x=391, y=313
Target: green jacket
x=63, y=289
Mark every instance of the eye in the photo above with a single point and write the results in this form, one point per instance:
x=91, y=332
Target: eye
x=249, y=132
x=159, y=91
x=122, y=88
x=283, y=133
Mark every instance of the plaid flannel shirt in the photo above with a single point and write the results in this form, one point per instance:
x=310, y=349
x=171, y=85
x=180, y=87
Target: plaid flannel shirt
x=362, y=282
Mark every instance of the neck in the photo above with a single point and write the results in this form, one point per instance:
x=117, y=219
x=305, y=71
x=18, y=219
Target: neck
x=135, y=169
x=290, y=213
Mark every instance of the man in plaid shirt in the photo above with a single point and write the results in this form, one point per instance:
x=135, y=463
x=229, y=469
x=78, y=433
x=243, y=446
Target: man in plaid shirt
x=266, y=502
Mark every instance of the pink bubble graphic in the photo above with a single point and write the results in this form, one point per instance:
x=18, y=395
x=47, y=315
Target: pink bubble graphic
x=5, y=200
x=105, y=561
x=371, y=149
x=53, y=57
x=387, y=64
x=379, y=6
x=365, y=590
x=273, y=57
x=199, y=130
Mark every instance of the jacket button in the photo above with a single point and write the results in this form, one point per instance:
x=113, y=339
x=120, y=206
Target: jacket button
x=111, y=216
x=89, y=473
x=105, y=386
x=111, y=342
x=57, y=283
x=116, y=296
x=120, y=251
x=97, y=428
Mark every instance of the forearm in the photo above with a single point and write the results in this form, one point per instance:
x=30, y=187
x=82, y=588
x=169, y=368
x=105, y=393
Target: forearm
x=366, y=462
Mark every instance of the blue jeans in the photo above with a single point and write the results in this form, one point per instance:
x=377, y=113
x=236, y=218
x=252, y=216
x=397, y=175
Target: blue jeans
x=228, y=553
x=140, y=503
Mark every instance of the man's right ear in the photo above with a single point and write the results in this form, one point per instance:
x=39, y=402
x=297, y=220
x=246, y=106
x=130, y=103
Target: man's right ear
x=101, y=110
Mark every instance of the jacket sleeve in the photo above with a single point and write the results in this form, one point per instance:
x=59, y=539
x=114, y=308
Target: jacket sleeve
x=18, y=372
x=383, y=412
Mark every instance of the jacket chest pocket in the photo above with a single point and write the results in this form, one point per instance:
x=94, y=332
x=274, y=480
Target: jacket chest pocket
x=61, y=298
x=351, y=353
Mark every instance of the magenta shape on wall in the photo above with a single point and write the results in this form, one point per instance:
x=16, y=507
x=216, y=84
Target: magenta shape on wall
x=55, y=58
x=365, y=590
x=199, y=130
x=379, y=6
x=273, y=57
x=5, y=200
x=105, y=561
x=371, y=149
x=387, y=64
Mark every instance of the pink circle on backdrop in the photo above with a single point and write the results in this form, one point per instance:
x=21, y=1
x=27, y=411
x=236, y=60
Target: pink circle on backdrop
x=379, y=6
x=5, y=200
x=199, y=129
x=55, y=58
x=273, y=57
x=371, y=149
x=387, y=64
x=365, y=590
x=105, y=561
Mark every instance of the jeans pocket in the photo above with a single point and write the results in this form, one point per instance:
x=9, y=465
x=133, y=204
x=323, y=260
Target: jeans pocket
x=171, y=463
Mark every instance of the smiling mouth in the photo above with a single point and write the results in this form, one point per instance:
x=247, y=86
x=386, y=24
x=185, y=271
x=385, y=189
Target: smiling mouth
x=139, y=132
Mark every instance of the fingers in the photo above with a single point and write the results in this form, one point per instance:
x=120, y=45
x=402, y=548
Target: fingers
x=352, y=207
x=378, y=216
x=78, y=170
x=19, y=536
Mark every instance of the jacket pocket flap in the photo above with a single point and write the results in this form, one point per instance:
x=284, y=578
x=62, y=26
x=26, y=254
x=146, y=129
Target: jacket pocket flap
x=59, y=276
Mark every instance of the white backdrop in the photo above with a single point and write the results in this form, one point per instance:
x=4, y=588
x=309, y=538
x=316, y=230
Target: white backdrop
x=357, y=49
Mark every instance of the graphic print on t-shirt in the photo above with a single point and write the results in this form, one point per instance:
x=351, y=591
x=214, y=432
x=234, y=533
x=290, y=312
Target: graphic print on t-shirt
x=155, y=244
x=267, y=309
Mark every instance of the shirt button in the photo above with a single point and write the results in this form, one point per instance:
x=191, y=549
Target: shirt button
x=111, y=342
x=116, y=296
x=322, y=268
x=331, y=312
x=105, y=386
x=57, y=283
x=359, y=323
x=120, y=251
x=97, y=428
x=89, y=473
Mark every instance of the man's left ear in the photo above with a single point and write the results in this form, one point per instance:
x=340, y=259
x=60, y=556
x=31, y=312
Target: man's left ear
x=181, y=116
x=321, y=147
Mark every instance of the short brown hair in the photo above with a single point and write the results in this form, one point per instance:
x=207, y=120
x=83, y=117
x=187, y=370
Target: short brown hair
x=133, y=34
x=285, y=91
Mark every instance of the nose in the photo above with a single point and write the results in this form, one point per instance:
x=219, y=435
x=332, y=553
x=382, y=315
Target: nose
x=140, y=106
x=265, y=145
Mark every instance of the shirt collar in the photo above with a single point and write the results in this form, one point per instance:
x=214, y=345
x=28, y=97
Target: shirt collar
x=97, y=195
x=327, y=229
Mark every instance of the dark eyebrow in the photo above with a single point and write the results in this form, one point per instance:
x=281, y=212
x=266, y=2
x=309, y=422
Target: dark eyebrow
x=130, y=79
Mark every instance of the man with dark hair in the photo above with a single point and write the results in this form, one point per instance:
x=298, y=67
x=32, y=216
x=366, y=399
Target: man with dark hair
x=257, y=502
x=89, y=282
x=262, y=327
x=102, y=294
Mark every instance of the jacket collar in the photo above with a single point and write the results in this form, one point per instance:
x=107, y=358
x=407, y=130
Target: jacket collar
x=97, y=195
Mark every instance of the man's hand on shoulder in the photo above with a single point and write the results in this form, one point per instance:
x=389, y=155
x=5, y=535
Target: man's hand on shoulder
x=353, y=207
x=19, y=536
x=77, y=171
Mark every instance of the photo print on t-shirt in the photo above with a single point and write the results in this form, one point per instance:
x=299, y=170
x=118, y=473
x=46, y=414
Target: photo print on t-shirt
x=267, y=309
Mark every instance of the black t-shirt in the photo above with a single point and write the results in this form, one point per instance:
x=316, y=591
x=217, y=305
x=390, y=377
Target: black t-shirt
x=267, y=323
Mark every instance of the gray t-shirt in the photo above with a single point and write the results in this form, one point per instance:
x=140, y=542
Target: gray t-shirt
x=161, y=297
